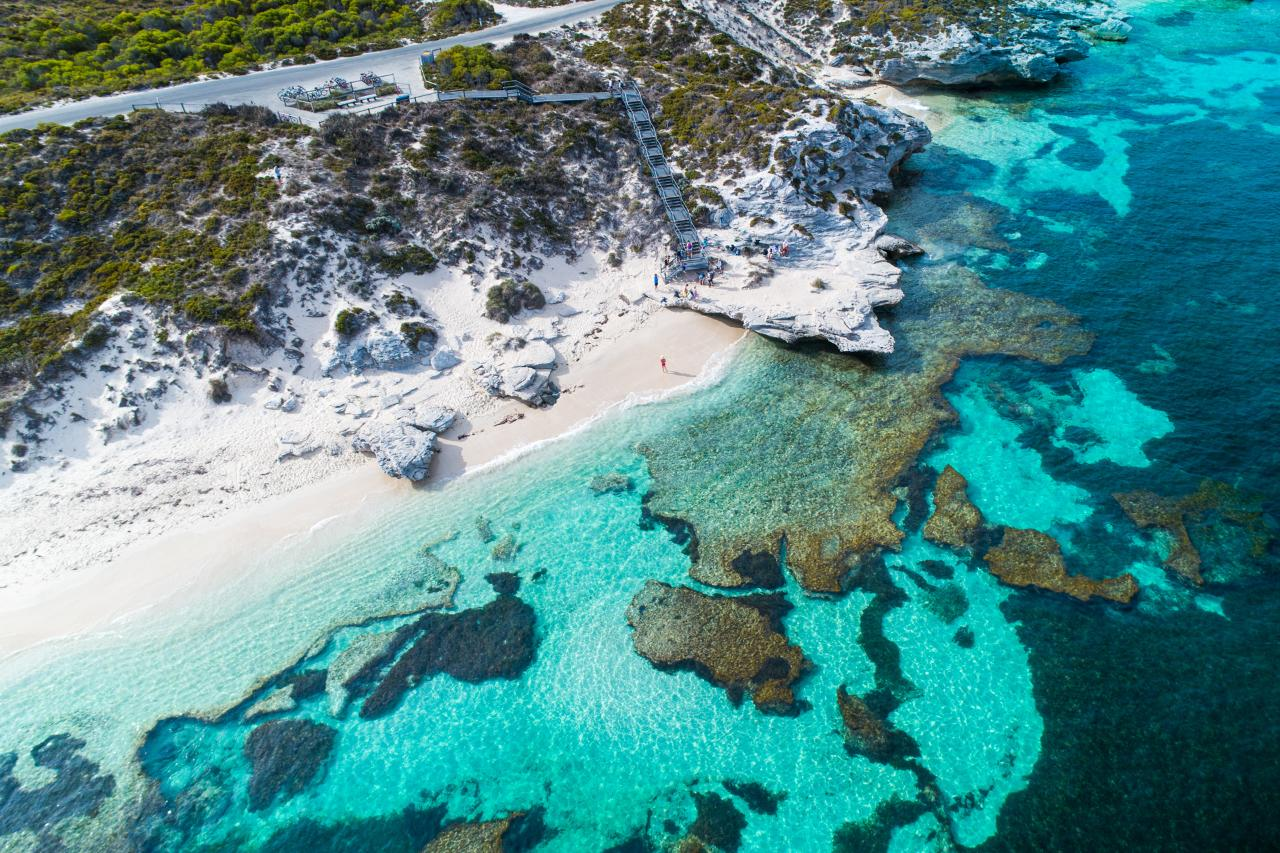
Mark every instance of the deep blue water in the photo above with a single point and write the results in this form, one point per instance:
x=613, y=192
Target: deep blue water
x=1162, y=730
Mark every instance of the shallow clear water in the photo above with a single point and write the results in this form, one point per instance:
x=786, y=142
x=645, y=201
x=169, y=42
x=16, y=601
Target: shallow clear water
x=1141, y=193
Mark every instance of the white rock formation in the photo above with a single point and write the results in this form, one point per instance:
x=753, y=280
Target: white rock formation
x=837, y=270
x=403, y=442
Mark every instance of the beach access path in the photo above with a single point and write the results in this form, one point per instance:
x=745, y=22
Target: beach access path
x=262, y=87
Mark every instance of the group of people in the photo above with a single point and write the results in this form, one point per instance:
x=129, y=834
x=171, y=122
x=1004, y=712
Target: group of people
x=781, y=251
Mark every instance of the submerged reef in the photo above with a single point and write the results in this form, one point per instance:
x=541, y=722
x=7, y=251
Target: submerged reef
x=1211, y=502
x=748, y=569
x=520, y=831
x=955, y=519
x=493, y=641
x=735, y=643
x=718, y=824
x=1031, y=558
x=846, y=431
x=865, y=733
x=757, y=797
x=286, y=756
x=77, y=788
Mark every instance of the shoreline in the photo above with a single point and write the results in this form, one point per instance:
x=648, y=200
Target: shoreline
x=186, y=565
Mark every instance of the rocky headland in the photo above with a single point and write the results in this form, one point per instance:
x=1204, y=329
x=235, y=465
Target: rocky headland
x=957, y=45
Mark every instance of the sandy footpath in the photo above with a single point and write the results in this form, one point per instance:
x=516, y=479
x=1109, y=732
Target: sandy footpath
x=182, y=566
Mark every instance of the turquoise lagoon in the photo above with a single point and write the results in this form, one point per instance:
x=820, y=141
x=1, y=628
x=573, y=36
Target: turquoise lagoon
x=1142, y=193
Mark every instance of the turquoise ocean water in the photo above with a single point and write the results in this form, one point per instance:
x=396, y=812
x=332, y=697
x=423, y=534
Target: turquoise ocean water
x=1142, y=193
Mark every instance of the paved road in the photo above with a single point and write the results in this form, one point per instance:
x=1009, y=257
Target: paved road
x=261, y=87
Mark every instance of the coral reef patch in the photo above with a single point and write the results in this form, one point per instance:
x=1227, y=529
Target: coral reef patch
x=718, y=824
x=520, y=831
x=736, y=643
x=77, y=788
x=757, y=797
x=846, y=431
x=955, y=519
x=1211, y=502
x=1031, y=558
x=493, y=641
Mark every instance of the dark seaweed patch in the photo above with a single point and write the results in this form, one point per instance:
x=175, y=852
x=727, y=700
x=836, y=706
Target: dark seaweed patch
x=286, y=756
x=719, y=823
x=78, y=789
x=759, y=568
x=494, y=641
x=757, y=797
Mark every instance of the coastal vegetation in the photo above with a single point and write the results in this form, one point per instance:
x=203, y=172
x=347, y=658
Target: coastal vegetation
x=62, y=49
x=193, y=235
x=721, y=103
x=465, y=67
x=508, y=298
x=457, y=16
x=90, y=212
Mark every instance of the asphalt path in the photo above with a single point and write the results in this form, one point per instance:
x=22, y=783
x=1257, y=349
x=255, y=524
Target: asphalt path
x=260, y=87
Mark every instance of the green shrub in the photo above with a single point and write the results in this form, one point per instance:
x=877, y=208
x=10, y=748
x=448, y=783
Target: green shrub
x=464, y=67
x=457, y=16
x=409, y=259
x=418, y=336
x=508, y=298
x=351, y=321
x=218, y=391
x=57, y=48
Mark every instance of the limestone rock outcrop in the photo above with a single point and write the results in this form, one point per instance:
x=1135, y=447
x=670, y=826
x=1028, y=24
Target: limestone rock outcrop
x=961, y=57
x=838, y=271
x=404, y=442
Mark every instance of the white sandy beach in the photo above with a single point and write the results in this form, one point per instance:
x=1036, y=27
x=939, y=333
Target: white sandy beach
x=193, y=559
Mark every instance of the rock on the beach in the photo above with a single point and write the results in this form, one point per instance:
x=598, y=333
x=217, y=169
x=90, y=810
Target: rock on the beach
x=435, y=418
x=443, y=359
x=892, y=248
x=403, y=442
x=402, y=449
x=529, y=385
x=388, y=350
x=536, y=354
x=376, y=348
x=1031, y=558
x=286, y=756
x=736, y=643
